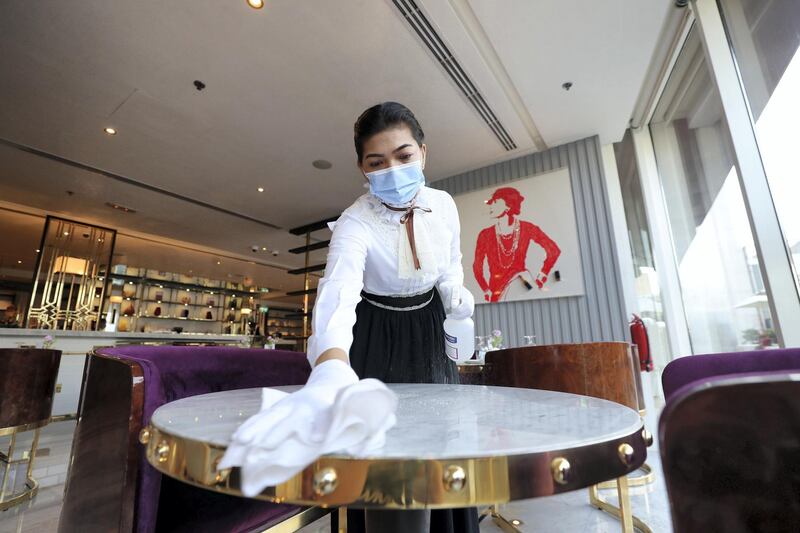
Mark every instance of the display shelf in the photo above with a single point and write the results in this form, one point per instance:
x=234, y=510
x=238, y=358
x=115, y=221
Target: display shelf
x=176, y=318
x=176, y=303
x=171, y=293
x=288, y=329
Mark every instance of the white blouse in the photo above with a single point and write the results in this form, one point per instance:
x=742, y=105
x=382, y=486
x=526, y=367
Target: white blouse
x=369, y=250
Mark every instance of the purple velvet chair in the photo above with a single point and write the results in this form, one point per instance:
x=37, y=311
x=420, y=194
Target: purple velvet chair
x=111, y=487
x=730, y=441
x=685, y=371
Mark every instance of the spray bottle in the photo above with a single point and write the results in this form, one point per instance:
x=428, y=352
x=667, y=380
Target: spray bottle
x=459, y=334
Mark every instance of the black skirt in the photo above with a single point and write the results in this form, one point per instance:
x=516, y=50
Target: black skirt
x=401, y=340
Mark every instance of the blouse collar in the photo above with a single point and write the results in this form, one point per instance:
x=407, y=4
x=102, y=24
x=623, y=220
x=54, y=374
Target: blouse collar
x=376, y=204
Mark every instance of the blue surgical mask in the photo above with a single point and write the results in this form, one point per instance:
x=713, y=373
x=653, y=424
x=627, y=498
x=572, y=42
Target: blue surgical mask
x=397, y=185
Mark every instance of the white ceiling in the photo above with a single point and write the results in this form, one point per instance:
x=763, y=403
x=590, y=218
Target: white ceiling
x=284, y=86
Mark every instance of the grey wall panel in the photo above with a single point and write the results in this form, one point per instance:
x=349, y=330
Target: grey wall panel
x=599, y=314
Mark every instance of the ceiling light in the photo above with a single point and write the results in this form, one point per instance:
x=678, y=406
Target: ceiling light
x=66, y=233
x=110, y=131
x=322, y=164
x=263, y=248
x=119, y=207
x=38, y=250
x=261, y=189
x=219, y=263
x=255, y=4
x=19, y=262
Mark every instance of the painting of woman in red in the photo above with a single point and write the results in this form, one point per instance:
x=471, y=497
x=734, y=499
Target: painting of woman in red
x=504, y=245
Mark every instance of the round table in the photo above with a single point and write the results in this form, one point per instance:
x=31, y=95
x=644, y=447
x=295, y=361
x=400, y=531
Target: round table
x=453, y=446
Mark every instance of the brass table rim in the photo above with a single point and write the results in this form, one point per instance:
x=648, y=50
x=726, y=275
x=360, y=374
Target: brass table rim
x=412, y=483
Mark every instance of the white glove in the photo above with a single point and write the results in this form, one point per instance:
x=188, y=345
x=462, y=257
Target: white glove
x=333, y=412
x=457, y=300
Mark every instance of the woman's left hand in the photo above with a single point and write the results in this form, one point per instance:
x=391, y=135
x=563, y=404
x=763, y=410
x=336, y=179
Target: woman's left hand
x=458, y=301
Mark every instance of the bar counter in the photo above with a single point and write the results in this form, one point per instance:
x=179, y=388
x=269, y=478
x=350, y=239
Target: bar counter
x=74, y=346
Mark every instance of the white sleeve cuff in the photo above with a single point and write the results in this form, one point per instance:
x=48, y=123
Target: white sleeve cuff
x=341, y=338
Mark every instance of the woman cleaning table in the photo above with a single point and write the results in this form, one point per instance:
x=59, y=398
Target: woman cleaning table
x=393, y=268
x=392, y=276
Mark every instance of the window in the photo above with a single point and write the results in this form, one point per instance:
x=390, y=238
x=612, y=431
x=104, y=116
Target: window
x=726, y=309
x=648, y=291
x=766, y=42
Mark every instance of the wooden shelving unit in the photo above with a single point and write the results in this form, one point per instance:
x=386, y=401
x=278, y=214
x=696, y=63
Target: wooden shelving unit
x=160, y=300
x=280, y=325
x=307, y=291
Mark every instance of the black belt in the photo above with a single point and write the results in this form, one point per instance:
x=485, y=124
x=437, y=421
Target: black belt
x=400, y=303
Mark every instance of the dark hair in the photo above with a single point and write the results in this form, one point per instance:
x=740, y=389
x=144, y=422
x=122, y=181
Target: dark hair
x=382, y=117
x=511, y=197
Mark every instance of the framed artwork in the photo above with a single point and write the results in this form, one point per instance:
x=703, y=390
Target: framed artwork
x=519, y=240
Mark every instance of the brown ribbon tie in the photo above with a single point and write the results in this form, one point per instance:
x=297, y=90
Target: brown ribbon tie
x=408, y=221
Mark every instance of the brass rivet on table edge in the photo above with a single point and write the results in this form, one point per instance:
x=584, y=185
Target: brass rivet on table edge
x=455, y=479
x=162, y=451
x=560, y=468
x=625, y=452
x=144, y=435
x=325, y=481
x=221, y=475
x=647, y=437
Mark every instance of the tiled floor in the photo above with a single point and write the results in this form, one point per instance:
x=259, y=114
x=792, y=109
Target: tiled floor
x=565, y=513
x=50, y=469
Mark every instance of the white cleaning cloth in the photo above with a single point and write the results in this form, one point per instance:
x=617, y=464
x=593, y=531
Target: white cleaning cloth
x=292, y=430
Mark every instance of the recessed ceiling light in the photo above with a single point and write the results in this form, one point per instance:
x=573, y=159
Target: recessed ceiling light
x=255, y=4
x=110, y=131
x=119, y=207
x=322, y=164
x=219, y=262
x=263, y=248
x=66, y=233
x=38, y=250
x=261, y=189
x=19, y=262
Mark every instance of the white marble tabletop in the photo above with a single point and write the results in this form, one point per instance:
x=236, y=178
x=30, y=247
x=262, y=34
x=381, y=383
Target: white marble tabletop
x=436, y=421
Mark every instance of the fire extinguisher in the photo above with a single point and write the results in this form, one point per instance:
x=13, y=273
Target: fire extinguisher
x=642, y=342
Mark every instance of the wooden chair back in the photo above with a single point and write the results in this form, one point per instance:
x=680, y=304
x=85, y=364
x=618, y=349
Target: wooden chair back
x=604, y=370
x=27, y=385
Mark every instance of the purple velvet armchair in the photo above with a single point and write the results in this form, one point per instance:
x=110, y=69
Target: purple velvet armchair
x=111, y=487
x=730, y=441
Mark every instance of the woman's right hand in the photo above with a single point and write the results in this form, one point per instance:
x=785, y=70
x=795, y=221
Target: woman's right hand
x=303, y=412
x=334, y=411
x=487, y=295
